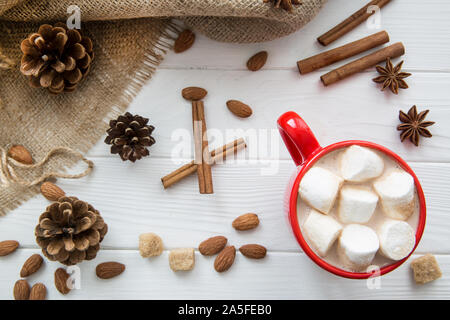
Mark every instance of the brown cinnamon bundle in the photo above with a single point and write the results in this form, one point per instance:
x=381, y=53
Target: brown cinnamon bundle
x=217, y=156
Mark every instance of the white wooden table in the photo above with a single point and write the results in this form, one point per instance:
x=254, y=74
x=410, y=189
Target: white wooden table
x=132, y=200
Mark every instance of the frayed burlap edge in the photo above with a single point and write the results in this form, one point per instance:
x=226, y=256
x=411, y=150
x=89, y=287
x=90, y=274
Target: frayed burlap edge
x=12, y=195
x=232, y=21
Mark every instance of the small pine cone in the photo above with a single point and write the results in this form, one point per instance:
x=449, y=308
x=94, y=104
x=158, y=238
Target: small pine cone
x=130, y=136
x=56, y=58
x=70, y=231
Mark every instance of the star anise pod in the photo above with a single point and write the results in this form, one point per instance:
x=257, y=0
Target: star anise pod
x=414, y=126
x=284, y=4
x=391, y=77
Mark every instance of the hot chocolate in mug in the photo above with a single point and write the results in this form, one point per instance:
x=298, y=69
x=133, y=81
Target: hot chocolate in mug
x=306, y=151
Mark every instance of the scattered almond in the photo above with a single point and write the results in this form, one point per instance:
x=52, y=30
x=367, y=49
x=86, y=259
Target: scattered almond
x=253, y=251
x=108, y=270
x=8, y=247
x=38, y=292
x=184, y=41
x=51, y=191
x=21, y=290
x=257, y=61
x=225, y=259
x=20, y=154
x=193, y=93
x=246, y=222
x=61, y=277
x=212, y=245
x=239, y=108
x=31, y=266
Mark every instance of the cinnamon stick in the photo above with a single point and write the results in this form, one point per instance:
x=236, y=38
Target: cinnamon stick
x=198, y=146
x=350, y=23
x=179, y=174
x=370, y=60
x=349, y=50
x=220, y=154
x=191, y=167
x=202, y=156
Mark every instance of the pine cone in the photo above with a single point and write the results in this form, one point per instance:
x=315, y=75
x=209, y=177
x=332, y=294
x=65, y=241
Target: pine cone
x=70, y=231
x=130, y=136
x=56, y=58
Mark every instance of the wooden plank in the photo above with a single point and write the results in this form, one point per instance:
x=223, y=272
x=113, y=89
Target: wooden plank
x=352, y=109
x=418, y=24
x=133, y=201
x=278, y=276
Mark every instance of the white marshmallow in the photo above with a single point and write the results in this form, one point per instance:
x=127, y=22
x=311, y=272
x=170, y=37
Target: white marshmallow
x=322, y=231
x=396, y=239
x=396, y=191
x=319, y=188
x=357, y=247
x=356, y=205
x=359, y=164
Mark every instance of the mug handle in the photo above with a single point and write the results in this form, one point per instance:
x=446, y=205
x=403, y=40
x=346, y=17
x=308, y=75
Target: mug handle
x=298, y=137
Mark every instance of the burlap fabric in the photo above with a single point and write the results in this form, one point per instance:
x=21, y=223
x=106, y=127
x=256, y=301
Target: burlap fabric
x=130, y=38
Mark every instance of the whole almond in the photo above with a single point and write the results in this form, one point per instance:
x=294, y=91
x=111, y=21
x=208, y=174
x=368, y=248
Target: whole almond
x=253, y=251
x=51, y=191
x=8, y=247
x=193, y=93
x=38, y=292
x=246, y=222
x=225, y=259
x=20, y=154
x=108, y=270
x=257, y=61
x=21, y=290
x=212, y=245
x=184, y=41
x=31, y=266
x=239, y=108
x=61, y=277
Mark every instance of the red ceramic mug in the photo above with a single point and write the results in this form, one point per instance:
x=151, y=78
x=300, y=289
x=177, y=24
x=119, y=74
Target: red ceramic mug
x=305, y=151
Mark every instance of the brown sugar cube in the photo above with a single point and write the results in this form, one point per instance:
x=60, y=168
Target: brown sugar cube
x=150, y=245
x=182, y=259
x=426, y=269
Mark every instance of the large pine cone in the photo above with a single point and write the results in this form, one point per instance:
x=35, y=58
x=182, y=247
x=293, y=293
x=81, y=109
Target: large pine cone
x=70, y=231
x=56, y=58
x=130, y=136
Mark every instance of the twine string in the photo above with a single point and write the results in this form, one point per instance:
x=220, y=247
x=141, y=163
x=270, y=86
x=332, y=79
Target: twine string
x=5, y=62
x=8, y=165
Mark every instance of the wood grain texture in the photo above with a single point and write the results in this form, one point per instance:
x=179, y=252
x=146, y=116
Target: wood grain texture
x=355, y=108
x=132, y=199
x=278, y=276
x=421, y=25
